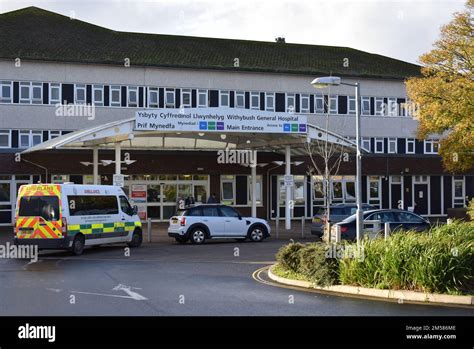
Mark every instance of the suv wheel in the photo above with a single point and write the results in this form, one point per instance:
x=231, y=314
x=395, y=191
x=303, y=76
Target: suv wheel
x=256, y=234
x=198, y=236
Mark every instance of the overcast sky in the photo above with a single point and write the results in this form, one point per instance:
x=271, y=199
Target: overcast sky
x=402, y=29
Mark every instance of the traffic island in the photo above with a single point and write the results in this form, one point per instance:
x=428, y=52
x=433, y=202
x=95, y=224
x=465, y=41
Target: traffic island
x=399, y=296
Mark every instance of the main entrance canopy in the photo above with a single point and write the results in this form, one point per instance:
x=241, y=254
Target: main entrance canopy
x=202, y=129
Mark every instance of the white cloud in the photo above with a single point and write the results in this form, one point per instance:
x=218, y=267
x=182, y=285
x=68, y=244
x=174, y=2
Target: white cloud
x=401, y=29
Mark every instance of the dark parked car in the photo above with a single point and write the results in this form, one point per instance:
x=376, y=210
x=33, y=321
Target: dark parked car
x=398, y=219
x=337, y=212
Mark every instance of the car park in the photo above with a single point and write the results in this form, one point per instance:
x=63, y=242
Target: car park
x=214, y=221
x=398, y=220
x=337, y=212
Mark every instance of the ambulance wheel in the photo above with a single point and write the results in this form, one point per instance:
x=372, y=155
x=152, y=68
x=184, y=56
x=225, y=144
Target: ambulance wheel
x=78, y=245
x=136, y=239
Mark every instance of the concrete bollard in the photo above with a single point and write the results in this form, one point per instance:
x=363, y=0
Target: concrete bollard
x=386, y=230
x=149, y=229
x=277, y=223
x=302, y=226
x=338, y=234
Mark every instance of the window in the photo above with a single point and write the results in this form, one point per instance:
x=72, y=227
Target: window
x=431, y=146
x=255, y=100
x=337, y=190
x=25, y=92
x=410, y=146
x=46, y=207
x=5, y=139
x=186, y=98
x=458, y=192
x=6, y=91
x=333, y=105
x=379, y=145
x=80, y=94
x=351, y=108
x=392, y=145
x=98, y=95
x=379, y=107
x=258, y=190
x=125, y=206
x=319, y=104
x=229, y=212
x=228, y=190
x=36, y=137
x=374, y=190
x=25, y=138
x=54, y=93
x=169, y=98
x=224, y=99
x=153, y=97
x=115, y=96
x=290, y=102
x=88, y=205
x=365, y=105
x=210, y=212
x=37, y=93
x=269, y=101
x=304, y=103
x=202, y=98
x=54, y=134
x=240, y=99
x=132, y=96
x=366, y=143
x=407, y=217
x=392, y=107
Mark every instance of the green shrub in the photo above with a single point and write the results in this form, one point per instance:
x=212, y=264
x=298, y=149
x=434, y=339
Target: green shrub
x=470, y=210
x=315, y=265
x=288, y=256
x=440, y=261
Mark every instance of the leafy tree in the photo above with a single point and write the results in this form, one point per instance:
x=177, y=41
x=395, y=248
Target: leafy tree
x=444, y=94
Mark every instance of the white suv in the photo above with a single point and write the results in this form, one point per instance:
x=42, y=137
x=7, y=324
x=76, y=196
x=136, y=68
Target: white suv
x=216, y=222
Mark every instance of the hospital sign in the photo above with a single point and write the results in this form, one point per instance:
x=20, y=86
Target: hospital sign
x=221, y=120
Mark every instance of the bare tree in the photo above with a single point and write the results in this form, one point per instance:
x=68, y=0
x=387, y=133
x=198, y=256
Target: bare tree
x=326, y=158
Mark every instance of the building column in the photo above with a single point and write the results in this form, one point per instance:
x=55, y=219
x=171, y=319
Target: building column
x=118, y=158
x=95, y=164
x=288, y=188
x=253, y=166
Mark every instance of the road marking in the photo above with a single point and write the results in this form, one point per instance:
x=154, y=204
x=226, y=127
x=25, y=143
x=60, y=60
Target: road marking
x=132, y=294
x=127, y=289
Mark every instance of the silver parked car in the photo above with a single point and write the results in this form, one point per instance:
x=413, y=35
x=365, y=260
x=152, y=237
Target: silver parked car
x=337, y=213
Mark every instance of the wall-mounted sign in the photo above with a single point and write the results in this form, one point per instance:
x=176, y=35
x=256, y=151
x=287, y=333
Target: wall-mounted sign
x=221, y=120
x=119, y=180
x=288, y=180
x=138, y=193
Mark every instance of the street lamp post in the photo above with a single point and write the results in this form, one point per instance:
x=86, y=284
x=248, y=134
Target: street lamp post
x=335, y=81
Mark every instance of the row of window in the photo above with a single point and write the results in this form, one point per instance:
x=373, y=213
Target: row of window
x=26, y=138
x=378, y=145
x=155, y=97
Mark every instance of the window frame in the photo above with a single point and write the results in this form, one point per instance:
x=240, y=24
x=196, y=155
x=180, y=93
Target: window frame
x=351, y=111
x=412, y=142
x=257, y=96
x=170, y=92
x=27, y=85
x=288, y=97
x=224, y=94
x=378, y=141
x=9, y=84
x=54, y=85
x=99, y=88
x=9, y=134
x=392, y=141
x=335, y=110
x=304, y=97
x=134, y=89
x=271, y=96
x=202, y=92
x=237, y=95
x=379, y=109
x=187, y=92
x=115, y=88
x=153, y=91
x=80, y=87
x=366, y=139
x=432, y=143
x=363, y=110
